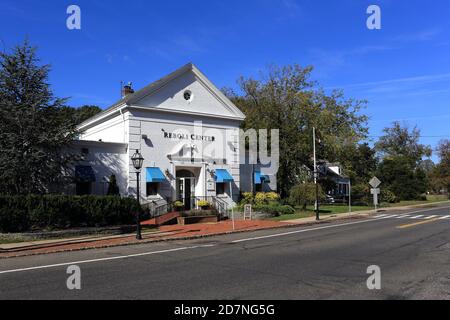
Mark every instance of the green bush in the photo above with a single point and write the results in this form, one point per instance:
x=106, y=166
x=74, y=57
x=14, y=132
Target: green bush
x=361, y=194
x=247, y=198
x=35, y=212
x=274, y=210
x=388, y=196
x=304, y=194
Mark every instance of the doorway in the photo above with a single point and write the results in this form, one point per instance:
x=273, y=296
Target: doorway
x=186, y=188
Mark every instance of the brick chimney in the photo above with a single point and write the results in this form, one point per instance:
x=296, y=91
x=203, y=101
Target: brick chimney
x=127, y=89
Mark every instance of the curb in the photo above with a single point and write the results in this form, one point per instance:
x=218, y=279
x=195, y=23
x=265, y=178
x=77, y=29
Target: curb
x=290, y=225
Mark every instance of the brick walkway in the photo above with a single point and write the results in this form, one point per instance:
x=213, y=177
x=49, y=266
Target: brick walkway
x=171, y=232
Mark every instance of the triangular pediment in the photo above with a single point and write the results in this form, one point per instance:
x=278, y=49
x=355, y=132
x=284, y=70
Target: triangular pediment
x=186, y=90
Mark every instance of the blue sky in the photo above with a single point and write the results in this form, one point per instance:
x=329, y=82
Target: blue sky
x=403, y=70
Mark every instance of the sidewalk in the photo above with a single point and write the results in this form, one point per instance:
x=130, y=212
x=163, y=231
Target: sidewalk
x=164, y=233
x=174, y=232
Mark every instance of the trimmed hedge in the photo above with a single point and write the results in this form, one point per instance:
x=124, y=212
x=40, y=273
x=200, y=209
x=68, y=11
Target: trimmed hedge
x=36, y=212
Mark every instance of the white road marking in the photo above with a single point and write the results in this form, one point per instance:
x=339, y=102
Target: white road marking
x=431, y=217
x=306, y=230
x=444, y=217
x=403, y=216
x=417, y=217
x=380, y=215
x=105, y=259
x=426, y=210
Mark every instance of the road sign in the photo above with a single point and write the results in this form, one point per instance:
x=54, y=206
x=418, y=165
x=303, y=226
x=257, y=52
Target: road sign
x=375, y=192
x=375, y=182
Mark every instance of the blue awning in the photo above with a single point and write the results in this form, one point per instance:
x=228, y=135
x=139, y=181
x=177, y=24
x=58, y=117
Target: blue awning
x=258, y=177
x=261, y=178
x=84, y=174
x=222, y=175
x=155, y=175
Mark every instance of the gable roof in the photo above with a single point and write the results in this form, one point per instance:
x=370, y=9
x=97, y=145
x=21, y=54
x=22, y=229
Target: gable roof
x=131, y=99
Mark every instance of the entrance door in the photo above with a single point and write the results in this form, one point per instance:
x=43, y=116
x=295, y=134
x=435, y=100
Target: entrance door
x=186, y=188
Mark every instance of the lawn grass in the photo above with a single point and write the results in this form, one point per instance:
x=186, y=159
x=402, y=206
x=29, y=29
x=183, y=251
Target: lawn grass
x=327, y=210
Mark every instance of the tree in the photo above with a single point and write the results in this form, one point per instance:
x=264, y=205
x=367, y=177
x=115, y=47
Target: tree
x=359, y=163
x=304, y=194
x=33, y=130
x=285, y=98
x=440, y=175
x=113, y=188
x=401, y=141
x=401, y=176
x=81, y=114
x=402, y=169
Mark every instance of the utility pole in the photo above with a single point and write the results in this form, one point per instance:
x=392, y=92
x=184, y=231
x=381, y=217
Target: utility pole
x=315, y=176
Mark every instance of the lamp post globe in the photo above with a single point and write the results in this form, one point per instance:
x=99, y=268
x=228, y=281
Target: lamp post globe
x=138, y=161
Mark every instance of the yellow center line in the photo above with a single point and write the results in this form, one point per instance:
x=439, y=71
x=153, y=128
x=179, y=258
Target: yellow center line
x=416, y=223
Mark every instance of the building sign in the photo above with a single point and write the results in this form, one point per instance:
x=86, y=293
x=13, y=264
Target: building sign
x=184, y=136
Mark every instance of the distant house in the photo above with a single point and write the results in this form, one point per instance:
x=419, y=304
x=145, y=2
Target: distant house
x=333, y=172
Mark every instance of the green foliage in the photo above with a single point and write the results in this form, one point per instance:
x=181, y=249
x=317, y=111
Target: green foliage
x=440, y=175
x=401, y=176
x=274, y=210
x=81, y=114
x=304, y=194
x=260, y=198
x=286, y=99
x=359, y=163
x=30, y=212
x=203, y=204
x=402, y=169
x=272, y=197
x=361, y=194
x=113, y=188
x=247, y=198
x=33, y=130
x=388, y=196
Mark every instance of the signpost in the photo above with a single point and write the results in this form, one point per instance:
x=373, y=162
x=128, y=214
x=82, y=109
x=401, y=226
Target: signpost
x=248, y=212
x=375, y=183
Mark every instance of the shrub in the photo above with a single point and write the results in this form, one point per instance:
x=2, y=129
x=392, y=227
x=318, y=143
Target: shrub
x=260, y=198
x=247, y=198
x=31, y=212
x=304, y=194
x=203, y=204
x=113, y=188
x=272, y=196
x=274, y=210
x=388, y=196
x=361, y=194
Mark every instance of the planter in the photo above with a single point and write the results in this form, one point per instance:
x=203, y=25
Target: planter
x=197, y=219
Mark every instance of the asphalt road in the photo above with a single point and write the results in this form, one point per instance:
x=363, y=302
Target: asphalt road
x=327, y=261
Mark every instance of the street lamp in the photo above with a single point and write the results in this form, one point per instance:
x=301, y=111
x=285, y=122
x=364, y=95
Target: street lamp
x=138, y=160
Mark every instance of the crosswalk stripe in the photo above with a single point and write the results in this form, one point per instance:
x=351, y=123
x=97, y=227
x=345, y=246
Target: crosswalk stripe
x=417, y=217
x=431, y=217
x=444, y=217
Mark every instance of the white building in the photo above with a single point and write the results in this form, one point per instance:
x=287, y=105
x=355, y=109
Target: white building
x=186, y=130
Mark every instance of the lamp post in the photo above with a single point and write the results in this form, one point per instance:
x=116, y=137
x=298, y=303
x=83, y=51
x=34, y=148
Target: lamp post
x=138, y=160
x=316, y=175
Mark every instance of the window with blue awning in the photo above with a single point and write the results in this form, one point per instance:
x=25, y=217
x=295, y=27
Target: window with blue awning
x=155, y=175
x=222, y=176
x=261, y=178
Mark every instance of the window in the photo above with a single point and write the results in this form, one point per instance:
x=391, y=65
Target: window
x=83, y=188
x=188, y=95
x=152, y=188
x=220, y=188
